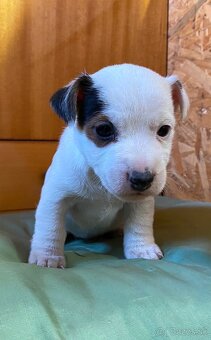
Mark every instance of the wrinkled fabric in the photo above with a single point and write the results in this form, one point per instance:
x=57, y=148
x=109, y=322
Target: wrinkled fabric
x=103, y=296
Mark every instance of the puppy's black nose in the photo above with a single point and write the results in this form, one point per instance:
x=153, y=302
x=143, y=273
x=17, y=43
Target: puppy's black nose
x=141, y=181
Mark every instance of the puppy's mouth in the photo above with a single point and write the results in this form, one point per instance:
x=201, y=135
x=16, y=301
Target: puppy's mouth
x=135, y=196
x=131, y=195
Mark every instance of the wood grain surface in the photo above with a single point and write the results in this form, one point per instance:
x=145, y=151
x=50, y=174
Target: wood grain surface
x=44, y=44
x=22, y=169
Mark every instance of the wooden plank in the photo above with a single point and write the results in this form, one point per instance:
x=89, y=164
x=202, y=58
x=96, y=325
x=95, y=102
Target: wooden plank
x=44, y=44
x=22, y=170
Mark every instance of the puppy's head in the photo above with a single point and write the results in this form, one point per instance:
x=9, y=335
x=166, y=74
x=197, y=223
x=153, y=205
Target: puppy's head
x=123, y=122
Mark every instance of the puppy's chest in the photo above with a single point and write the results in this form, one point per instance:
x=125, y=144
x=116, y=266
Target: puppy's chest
x=95, y=212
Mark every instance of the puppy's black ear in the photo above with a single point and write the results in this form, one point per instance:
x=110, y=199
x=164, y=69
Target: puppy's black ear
x=62, y=102
x=68, y=101
x=179, y=95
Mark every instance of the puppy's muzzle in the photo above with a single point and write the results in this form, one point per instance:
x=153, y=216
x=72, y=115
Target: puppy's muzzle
x=141, y=181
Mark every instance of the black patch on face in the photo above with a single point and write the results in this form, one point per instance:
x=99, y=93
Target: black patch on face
x=88, y=100
x=80, y=99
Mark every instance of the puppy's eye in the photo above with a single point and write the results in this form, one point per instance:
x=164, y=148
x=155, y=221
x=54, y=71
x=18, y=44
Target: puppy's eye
x=105, y=131
x=164, y=131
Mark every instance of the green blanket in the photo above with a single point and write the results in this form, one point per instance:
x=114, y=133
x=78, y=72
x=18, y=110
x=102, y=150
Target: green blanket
x=103, y=296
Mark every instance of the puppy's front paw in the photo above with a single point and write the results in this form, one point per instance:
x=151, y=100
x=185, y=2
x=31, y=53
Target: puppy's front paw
x=45, y=260
x=149, y=251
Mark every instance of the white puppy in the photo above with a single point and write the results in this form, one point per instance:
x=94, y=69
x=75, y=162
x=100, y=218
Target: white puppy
x=111, y=160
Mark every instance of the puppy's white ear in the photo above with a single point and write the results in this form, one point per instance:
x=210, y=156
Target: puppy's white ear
x=68, y=101
x=179, y=95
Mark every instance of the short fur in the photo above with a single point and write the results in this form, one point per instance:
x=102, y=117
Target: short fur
x=114, y=117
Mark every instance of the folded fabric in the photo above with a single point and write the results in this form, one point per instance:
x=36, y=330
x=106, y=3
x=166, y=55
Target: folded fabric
x=100, y=295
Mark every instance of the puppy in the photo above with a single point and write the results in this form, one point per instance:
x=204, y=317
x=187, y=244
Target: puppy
x=111, y=160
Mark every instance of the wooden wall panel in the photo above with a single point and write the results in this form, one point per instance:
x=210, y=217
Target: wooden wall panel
x=44, y=44
x=189, y=56
x=22, y=169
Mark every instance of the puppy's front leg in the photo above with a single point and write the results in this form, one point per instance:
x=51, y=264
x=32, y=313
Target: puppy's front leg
x=47, y=246
x=138, y=231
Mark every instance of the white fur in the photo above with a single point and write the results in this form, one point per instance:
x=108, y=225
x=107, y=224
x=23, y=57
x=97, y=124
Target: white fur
x=91, y=183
